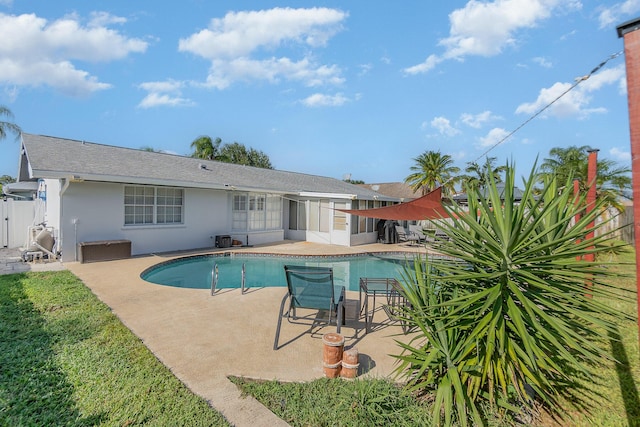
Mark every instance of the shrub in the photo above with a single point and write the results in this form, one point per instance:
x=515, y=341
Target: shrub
x=517, y=318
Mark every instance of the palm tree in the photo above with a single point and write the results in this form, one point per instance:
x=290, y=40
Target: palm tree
x=8, y=125
x=205, y=148
x=612, y=180
x=433, y=169
x=479, y=174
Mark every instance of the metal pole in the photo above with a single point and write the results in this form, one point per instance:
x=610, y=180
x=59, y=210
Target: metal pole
x=576, y=195
x=631, y=37
x=592, y=173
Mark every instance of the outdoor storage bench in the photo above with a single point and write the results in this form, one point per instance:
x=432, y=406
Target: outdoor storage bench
x=104, y=250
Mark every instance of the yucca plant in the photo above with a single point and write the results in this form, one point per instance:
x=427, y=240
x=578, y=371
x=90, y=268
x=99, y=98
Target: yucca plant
x=517, y=317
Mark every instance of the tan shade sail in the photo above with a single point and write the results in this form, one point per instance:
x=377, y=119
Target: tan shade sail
x=428, y=206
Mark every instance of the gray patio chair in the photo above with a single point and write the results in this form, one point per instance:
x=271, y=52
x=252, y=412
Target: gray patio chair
x=422, y=236
x=403, y=236
x=441, y=235
x=311, y=288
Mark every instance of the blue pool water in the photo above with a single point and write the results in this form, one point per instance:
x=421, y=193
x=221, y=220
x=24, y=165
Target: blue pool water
x=268, y=270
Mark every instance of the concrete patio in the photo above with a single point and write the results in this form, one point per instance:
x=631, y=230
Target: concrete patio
x=203, y=339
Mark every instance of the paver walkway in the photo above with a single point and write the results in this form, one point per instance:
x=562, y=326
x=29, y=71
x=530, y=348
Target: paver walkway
x=11, y=262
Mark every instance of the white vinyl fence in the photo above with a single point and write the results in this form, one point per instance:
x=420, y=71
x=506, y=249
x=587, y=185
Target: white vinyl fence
x=15, y=217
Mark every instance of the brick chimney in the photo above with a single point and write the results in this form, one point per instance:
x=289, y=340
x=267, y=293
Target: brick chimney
x=628, y=31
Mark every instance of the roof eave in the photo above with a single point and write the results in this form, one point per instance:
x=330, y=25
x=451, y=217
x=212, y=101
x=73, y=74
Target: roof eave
x=147, y=181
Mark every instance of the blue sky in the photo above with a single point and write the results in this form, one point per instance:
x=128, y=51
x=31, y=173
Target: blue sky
x=331, y=88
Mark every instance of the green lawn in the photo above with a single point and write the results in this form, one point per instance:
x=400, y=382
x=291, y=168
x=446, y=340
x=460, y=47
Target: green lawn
x=66, y=360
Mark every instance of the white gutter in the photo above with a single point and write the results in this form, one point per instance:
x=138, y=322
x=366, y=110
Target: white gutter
x=149, y=181
x=328, y=195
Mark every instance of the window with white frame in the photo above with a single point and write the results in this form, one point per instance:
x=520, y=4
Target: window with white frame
x=297, y=215
x=339, y=218
x=256, y=211
x=319, y=215
x=147, y=205
x=362, y=224
x=240, y=212
x=274, y=212
x=354, y=218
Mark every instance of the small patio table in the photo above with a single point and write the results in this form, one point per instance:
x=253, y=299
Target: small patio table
x=370, y=287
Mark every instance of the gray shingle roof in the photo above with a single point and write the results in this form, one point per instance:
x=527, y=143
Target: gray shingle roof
x=51, y=157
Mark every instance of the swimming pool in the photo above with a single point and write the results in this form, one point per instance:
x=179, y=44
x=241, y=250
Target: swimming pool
x=268, y=270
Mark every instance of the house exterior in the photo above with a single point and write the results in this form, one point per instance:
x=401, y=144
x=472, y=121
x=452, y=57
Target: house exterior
x=163, y=202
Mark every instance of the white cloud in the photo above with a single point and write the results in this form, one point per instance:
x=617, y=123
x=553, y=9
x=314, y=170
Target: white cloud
x=458, y=155
x=494, y=136
x=476, y=121
x=37, y=52
x=576, y=101
x=11, y=93
x=224, y=73
x=428, y=64
x=620, y=155
x=102, y=19
x=543, y=62
x=163, y=94
x=322, y=100
x=616, y=13
x=443, y=125
x=364, y=69
x=235, y=45
x=487, y=28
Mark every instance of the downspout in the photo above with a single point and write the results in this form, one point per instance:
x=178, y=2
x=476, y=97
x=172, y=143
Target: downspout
x=64, y=188
x=67, y=181
x=631, y=37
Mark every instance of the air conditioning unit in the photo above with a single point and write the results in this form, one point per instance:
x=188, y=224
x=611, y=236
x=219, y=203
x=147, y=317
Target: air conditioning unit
x=223, y=241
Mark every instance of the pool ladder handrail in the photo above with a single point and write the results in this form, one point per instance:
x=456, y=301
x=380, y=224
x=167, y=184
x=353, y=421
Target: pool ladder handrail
x=214, y=279
x=244, y=276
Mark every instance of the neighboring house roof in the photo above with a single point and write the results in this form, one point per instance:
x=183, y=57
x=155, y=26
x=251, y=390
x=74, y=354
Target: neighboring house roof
x=20, y=187
x=398, y=190
x=21, y=190
x=462, y=197
x=51, y=157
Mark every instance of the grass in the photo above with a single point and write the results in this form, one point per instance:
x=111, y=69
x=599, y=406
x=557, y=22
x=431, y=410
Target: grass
x=66, y=360
x=334, y=402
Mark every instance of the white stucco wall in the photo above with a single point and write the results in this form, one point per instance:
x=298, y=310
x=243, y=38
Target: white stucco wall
x=95, y=211
x=363, y=238
x=91, y=211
